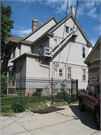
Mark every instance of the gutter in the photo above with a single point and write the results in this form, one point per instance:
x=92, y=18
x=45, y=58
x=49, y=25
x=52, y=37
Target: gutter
x=42, y=65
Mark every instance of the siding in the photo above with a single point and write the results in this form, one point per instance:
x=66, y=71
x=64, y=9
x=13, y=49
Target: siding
x=25, y=49
x=76, y=73
x=59, y=31
x=74, y=55
x=18, y=65
x=35, y=70
x=41, y=31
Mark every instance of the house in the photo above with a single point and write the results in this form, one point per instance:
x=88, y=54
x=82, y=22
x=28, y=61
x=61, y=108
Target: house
x=93, y=63
x=53, y=50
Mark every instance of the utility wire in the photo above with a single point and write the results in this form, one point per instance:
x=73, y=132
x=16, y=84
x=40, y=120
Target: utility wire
x=64, y=26
x=71, y=42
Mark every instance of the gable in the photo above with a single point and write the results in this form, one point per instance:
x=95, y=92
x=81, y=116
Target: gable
x=69, y=21
x=95, y=53
x=41, y=30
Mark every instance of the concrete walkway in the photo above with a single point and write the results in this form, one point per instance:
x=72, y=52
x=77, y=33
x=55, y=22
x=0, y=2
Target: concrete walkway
x=65, y=122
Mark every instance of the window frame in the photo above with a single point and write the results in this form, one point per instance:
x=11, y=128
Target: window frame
x=68, y=29
x=55, y=44
x=83, y=52
x=84, y=75
x=69, y=74
x=60, y=72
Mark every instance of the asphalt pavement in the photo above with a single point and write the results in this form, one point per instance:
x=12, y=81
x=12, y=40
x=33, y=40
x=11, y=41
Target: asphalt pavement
x=69, y=121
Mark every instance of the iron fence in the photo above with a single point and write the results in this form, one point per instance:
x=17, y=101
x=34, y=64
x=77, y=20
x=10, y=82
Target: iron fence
x=49, y=89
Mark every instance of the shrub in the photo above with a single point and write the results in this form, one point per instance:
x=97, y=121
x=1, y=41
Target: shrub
x=6, y=108
x=36, y=94
x=18, y=106
x=3, y=95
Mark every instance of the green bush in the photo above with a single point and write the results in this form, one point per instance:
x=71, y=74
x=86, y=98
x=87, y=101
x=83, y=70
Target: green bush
x=18, y=106
x=36, y=94
x=6, y=108
x=3, y=95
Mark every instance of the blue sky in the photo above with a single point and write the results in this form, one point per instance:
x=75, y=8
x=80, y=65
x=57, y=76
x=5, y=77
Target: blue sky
x=24, y=11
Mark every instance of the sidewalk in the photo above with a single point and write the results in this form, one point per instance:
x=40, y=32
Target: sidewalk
x=61, y=122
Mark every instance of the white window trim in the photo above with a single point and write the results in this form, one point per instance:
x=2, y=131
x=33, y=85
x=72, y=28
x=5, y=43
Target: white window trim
x=84, y=75
x=62, y=72
x=54, y=44
x=83, y=53
x=68, y=73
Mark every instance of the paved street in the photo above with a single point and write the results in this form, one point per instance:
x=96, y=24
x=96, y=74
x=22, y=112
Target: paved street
x=65, y=122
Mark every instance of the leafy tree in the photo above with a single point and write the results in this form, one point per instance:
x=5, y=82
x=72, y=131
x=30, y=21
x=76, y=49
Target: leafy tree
x=6, y=23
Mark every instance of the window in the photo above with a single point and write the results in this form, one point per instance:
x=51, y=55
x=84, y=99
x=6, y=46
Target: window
x=69, y=72
x=60, y=72
x=84, y=74
x=55, y=42
x=83, y=51
x=67, y=29
x=70, y=29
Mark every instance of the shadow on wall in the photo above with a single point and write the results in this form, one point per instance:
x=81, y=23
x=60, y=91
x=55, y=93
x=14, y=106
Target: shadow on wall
x=86, y=117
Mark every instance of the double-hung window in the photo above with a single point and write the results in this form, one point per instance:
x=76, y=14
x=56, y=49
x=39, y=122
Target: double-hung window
x=69, y=72
x=60, y=72
x=84, y=74
x=83, y=51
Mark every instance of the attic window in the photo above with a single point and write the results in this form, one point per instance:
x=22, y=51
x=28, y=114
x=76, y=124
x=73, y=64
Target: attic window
x=83, y=51
x=67, y=29
x=55, y=42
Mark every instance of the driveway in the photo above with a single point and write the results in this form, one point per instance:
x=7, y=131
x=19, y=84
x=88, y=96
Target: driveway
x=65, y=122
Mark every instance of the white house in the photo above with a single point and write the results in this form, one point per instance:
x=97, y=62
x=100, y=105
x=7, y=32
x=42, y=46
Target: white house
x=53, y=50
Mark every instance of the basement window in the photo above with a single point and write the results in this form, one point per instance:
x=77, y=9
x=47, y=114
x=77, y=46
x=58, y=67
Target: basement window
x=83, y=51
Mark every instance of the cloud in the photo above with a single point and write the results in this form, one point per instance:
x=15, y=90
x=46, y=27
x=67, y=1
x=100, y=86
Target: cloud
x=93, y=41
x=89, y=4
x=24, y=32
x=92, y=13
x=21, y=32
x=97, y=29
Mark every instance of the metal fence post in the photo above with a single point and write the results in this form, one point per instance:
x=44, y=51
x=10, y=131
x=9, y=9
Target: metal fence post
x=76, y=89
x=52, y=90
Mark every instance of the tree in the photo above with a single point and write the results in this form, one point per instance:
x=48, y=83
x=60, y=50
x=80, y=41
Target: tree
x=6, y=23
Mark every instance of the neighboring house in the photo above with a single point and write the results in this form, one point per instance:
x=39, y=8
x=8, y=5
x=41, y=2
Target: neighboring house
x=53, y=50
x=93, y=63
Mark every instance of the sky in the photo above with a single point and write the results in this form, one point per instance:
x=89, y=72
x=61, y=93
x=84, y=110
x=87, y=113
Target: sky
x=24, y=11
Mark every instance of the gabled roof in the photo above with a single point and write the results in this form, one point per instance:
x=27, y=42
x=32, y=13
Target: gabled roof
x=13, y=38
x=78, y=25
x=87, y=60
x=53, y=17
